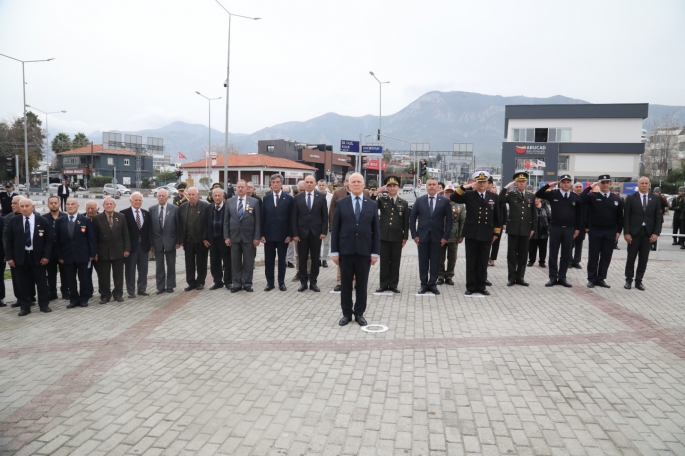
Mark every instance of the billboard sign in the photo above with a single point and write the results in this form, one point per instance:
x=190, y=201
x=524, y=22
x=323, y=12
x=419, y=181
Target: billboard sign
x=349, y=146
x=372, y=149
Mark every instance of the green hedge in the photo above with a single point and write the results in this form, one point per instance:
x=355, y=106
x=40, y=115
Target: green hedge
x=99, y=181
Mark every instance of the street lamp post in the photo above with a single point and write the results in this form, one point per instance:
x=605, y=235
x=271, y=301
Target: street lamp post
x=209, y=105
x=415, y=154
x=47, y=139
x=26, y=140
x=228, y=76
x=380, y=104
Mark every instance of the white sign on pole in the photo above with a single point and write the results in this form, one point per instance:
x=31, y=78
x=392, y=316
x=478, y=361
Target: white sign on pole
x=293, y=175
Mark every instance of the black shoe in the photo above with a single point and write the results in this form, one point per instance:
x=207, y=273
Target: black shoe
x=296, y=278
x=344, y=320
x=422, y=290
x=440, y=282
x=290, y=265
x=543, y=265
x=551, y=283
x=396, y=290
x=361, y=320
x=529, y=264
x=303, y=287
x=216, y=286
x=468, y=293
x=577, y=266
x=488, y=283
x=248, y=289
x=24, y=313
x=189, y=288
x=46, y=310
x=639, y=286
x=337, y=288
x=119, y=299
x=131, y=296
x=169, y=290
x=380, y=290
x=282, y=287
x=314, y=288
x=591, y=284
x=269, y=287
x=200, y=287
x=2, y=303
x=85, y=304
x=435, y=290
x=324, y=264
x=564, y=283
x=603, y=284
x=52, y=297
x=628, y=286
x=71, y=306
x=511, y=283
x=449, y=282
x=522, y=282
x=235, y=289
x=104, y=300
x=143, y=294
x=682, y=247
x=675, y=243
x=484, y=292
x=16, y=304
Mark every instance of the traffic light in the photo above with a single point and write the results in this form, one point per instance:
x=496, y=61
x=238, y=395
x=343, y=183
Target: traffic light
x=179, y=173
x=422, y=167
x=379, y=135
x=9, y=167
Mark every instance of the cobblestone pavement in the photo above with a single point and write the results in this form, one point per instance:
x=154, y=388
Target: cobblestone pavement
x=525, y=371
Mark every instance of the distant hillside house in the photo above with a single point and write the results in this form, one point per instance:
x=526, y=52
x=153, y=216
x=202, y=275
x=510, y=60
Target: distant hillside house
x=78, y=165
x=254, y=168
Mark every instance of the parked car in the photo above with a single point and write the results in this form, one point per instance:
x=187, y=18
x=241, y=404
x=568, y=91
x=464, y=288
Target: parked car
x=52, y=188
x=120, y=190
x=172, y=191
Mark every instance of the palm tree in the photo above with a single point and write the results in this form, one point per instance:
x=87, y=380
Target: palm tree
x=61, y=142
x=80, y=140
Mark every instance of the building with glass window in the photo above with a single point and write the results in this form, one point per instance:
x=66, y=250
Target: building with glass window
x=78, y=165
x=583, y=140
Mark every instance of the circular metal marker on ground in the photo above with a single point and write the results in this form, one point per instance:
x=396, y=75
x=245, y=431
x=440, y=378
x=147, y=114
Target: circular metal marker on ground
x=380, y=328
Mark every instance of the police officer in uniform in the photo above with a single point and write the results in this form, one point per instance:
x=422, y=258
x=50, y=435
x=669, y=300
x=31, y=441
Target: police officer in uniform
x=210, y=200
x=394, y=221
x=523, y=218
x=481, y=228
x=567, y=221
x=181, y=197
x=605, y=218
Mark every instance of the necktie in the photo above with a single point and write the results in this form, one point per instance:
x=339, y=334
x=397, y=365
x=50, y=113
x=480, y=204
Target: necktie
x=71, y=226
x=240, y=207
x=357, y=208
x=275, y=200
x=71, y=219
x=27, y=233
x=161, y=218
x=111, y=223
x=431, y=205
x=644, y=202
x=565, y=195
x=309, y=201
x=392, y=202
x=138, y=219
x=482, y=196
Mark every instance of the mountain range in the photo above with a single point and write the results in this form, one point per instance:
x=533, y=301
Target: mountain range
x=438, y=118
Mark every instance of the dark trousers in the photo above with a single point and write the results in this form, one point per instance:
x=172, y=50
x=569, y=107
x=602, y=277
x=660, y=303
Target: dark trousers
x=352, y=266
x=638, y=248
x=447, y=252
x=139, y=261
x=116, y=267
x=31, y=276
x=560, y=238
x=89, y=281
x=476, y=264
x=63, y=202
x=676, y=227
x=271, y=248
x=51, y=268
x=429, y=260
x=220, y=262
x=72, y=271
x=600, y=250
x=391, y=253
x=2, y=281
x=196, y=261
x=517, y=251
x=682, y=230
x=309, y=245
x=534, y=246
x=494, y=249
x=577, y=250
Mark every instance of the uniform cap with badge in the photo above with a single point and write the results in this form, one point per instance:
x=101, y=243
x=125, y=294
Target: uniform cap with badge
x=520, y=177
x=604, y=178
x=481, y=176
x=564, y=177
x=390, y=180
x=181, y=186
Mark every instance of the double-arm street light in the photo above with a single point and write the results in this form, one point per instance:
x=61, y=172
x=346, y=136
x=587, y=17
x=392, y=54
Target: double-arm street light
x=380, y=106
x=228, y=76
x=47, y=138
x=209, y=106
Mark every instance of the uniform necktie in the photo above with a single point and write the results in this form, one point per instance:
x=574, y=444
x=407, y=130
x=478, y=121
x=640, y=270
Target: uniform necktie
x=357, y=208
x=138, y=220
x=27, y=233
x=161, y=218
x=644, y=202
x=111, y=223
x=482, y=196
x=71, y=226
x=240, y=207
x=309, y=201
x=566, y=195
x=431, y=205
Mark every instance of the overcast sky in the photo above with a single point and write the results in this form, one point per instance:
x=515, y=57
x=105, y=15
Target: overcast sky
x=135, y=64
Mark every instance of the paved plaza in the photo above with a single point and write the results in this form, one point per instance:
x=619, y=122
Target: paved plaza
x=524, y=371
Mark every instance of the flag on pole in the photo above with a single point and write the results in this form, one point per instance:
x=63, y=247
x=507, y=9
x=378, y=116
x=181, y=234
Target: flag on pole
x=212, y=155
x=541, y=164
x=181, y=156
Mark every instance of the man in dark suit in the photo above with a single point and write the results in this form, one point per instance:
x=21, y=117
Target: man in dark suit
x=138, y=224
x=642, y=222
x=165, y=241
x=113, y=246
x=276, y=234
x=6, y=198
x=355, y=246
x=578, y=241
x=52, y=216
x=3, y=264
x=309, y=226
x=213, y=239
x=242, y=233
x=434, y=214
x=192, y=227
x=28, y=248
x=92, y=210
x=63, y=194
x=481, y=228
x=75, y=246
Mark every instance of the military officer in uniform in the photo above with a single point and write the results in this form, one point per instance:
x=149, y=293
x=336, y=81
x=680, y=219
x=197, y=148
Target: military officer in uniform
x=523, y=218
x=181, y=197
x=210, y=200
x=394, y=221
x=481, y=228
x=449, y=251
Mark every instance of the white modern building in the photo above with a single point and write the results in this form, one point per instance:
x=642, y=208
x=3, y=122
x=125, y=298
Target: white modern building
x=583, y=140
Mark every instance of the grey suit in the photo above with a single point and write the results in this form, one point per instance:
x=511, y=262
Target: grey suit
x=242, y=231
x=164, y=240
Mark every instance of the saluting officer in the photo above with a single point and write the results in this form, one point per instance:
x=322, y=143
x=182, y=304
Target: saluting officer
x=394, y=221
x=210, y=200
x=481, y=228
x=567, y=221
x=181, y=197
x=523, y=218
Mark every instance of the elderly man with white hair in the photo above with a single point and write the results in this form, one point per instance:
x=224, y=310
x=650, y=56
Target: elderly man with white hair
x=113, y=246
x=138, y=224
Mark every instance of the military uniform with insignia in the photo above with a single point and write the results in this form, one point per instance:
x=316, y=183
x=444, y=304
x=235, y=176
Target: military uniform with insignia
x=394, y=222
x=449, y=251
x=523, y=219
x=181, y=197
x=677, y=214
x=481, y=227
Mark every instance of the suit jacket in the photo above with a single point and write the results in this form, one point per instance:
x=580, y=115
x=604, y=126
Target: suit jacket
x=523, y=216
x=111, y=242
x=243, y=229
x=634, y=216
x=2, y=244
x=431, y=227
x=63, y=190
x=276, y=219
x=6, y=202
x=42, y=241
x=81, y=246
x=53, y=225
x=482, y=215
x=337, y=195
x=352, y=237
x=167, y=237
x=304, y=221
x=183, y=210
x=140, y=238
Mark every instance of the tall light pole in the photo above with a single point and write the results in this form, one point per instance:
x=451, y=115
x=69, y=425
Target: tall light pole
x=228, y=76
x=26, y=140
x=380, y=105
x=209, y=106
x=415, y=154
x=47, y=139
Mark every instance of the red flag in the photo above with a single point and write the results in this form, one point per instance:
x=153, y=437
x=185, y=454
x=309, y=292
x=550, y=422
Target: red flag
x=180, y=155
